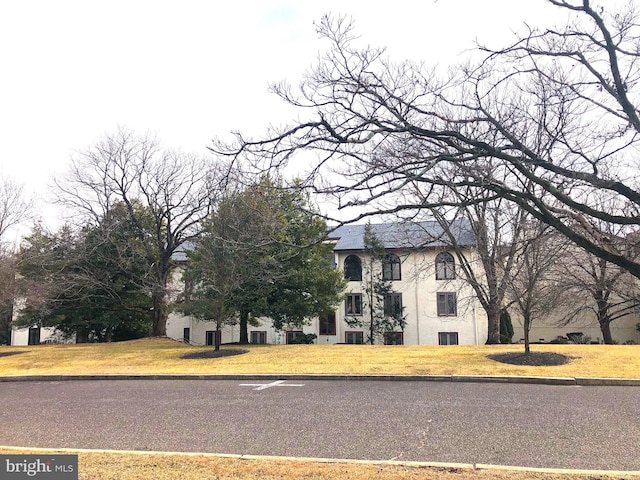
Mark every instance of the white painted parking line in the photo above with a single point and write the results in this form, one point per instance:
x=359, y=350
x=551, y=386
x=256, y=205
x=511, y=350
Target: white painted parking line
x=277, y=383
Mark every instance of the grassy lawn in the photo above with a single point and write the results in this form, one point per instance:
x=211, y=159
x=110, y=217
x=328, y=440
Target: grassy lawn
x=159, y=356
x=128, y=466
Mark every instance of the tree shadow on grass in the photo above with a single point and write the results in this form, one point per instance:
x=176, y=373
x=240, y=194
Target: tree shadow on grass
x=533, y=359
x=8, y=354
x=227, y=352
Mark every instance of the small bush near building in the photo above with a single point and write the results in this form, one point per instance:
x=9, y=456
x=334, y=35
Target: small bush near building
x=305, y=338
x=506, y=327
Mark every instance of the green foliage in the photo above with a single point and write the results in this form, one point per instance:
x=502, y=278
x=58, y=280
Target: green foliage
x=506, y=327
x=304, y=339
x=261, y=253
x=383, y=315
x=89, y=282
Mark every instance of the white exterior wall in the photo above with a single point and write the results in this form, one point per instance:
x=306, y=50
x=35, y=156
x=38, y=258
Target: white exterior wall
x=622, y=330
x=176, y=324
x=419, y=288
x=20, y=336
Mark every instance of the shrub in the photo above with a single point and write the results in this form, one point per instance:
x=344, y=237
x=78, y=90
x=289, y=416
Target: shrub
x=578, y=337
x=506, y=327
x=305, y=338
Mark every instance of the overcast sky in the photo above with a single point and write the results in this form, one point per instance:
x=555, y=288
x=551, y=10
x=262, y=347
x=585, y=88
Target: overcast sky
x=193, y=70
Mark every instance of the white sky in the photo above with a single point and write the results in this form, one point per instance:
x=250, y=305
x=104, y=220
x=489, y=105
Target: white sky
x=192, y=70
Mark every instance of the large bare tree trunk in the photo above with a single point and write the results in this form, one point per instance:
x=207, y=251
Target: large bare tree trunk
x=605, y=328
x=159, y=317
x=604, y=320
x=244, y=327
x=218, y=337
x=493, y=330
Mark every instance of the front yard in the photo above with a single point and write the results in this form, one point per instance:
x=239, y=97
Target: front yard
x=162, y=356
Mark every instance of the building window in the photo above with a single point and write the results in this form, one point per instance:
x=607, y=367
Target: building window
x=354, y=337
x=353, y=304
x=34, y=336
x=293, y=334
x=259, y=337
x=353, y=268
x=447, y=304
x=186, y=335
x=210, y=337
x=391, y=267
x=328, y=323
x=448, y=338
x=445, y=266
x=393, y=305
x=393, y=338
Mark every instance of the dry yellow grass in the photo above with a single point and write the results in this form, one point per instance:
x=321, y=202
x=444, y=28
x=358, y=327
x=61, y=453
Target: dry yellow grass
x=128, y=466
x=158, y=356
x=161, y=356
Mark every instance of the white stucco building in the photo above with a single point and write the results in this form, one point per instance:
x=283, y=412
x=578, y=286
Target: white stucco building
x=439, y=307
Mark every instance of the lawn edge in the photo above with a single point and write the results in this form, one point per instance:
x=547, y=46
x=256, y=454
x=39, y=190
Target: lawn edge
x=346, y=461
x=537, y=380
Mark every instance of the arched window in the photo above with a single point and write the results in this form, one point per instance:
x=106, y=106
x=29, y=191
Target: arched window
x=445, y=266
x=391, y=267
x=353, y=268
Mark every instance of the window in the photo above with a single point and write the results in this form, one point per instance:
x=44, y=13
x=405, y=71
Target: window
x=353, y=268
x=34, y=336
x=393, y=305
x=448, y=338
x=391, y=267
x=210, y=337
x=447, y=304
x=328, y=323
x=186, y=335
x=445, y=266
x=292, y=335
x=393, y=338
x=259, y=337
x=353, y=304
x=354, y=337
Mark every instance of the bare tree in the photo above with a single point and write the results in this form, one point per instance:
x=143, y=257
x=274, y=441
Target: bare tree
x=533, y=286
x=15, y=207
x=598, y=287
x=8, y=293
x=557, y=111
x=166, y=195
x=489, y=267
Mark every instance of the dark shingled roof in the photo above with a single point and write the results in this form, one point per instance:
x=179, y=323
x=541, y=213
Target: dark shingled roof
x=409, y=235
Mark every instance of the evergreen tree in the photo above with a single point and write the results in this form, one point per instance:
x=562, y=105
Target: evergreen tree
x=506, y=327
x=261, y=254
x=384, y=313
x=91, y=282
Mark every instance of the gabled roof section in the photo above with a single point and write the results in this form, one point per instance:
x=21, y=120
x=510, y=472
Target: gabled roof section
x=403, y=236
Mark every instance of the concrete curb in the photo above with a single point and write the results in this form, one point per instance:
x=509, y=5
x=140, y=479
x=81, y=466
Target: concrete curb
x=346, y=461
x=566, y=381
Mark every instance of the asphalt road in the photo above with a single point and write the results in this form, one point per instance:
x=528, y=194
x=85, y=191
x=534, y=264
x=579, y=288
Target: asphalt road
x=508, y=424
